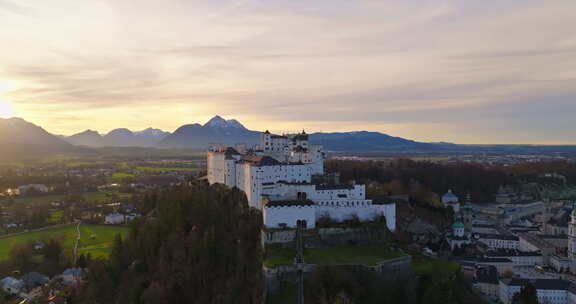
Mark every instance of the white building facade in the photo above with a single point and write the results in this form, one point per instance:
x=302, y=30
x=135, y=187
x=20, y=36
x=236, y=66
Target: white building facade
x=572, y=241
x=277, y=177
x=548, y=290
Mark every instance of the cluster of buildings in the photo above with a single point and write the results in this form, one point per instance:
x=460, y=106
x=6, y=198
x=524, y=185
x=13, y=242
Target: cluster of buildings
x=30, y=286
x=528, y=243
x=283, y=176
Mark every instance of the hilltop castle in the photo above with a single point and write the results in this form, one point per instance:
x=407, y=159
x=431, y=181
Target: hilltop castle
x=284, y=177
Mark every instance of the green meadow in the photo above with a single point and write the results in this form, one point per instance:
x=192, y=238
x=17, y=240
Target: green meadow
x=94, y=239
x=89, y=196
x=369, y=255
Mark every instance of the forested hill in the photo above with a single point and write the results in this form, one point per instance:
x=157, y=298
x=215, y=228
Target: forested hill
x=201, y=246
x=426, y=180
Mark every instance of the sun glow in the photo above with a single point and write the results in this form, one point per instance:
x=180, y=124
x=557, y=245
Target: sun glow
x=6, y=110
x=7, y=86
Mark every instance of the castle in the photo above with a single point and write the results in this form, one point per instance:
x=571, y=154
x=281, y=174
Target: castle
x=283, y=176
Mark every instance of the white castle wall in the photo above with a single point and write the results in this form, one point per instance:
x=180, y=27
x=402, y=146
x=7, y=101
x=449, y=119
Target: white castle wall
x=248, y=179
x=357, y=193
x=363, y=209
x=287, y=173
x=284, y=190
x=216, y=167
x=289, y=215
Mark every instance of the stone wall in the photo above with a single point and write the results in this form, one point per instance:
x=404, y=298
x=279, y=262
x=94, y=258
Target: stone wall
x=392, y=270
x=330, y=237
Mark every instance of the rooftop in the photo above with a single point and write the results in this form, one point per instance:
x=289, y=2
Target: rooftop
x=493, y=260
x=487, y=275
x=498, y=236
x=288, y=203
x=258, y=160
x=334, y=187
x=543, y=284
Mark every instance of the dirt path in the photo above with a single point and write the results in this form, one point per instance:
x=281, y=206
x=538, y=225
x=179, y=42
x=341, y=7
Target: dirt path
x=77, y=241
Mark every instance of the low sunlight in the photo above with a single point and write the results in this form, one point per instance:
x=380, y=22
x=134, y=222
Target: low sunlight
x=6, y=110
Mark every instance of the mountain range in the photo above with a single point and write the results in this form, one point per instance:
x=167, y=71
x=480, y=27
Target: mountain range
x=19, y=139
x=229, y=132
x=118, y=138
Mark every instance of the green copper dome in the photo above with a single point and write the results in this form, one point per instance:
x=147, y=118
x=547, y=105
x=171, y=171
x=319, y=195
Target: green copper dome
x=458, y=225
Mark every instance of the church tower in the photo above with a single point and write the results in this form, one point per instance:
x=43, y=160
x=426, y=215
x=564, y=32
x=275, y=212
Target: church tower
x=467, y=212
x=572, y=241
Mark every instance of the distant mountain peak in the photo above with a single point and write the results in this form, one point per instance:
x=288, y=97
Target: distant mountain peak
x=152, y=132
x=233, y=123
x=219, y=122
x=89, y=132
x=120, y=131
x=216, y=121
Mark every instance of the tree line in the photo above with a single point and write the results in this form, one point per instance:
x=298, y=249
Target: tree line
x=197, y=244
x=427, y=180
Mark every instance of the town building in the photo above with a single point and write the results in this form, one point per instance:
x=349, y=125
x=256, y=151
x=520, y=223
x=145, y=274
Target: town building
x=486, y=280
x=11, y=285
x=119, y=218
x=32, y=188
x=498, y=241
x=557, y=224
x=451, y=200
x=278, y=176
x=502, y=265
x=551, y=291
x=560, y=263
x=459, y=237
x=518, y=258
x=572, y=241
x=533, y=242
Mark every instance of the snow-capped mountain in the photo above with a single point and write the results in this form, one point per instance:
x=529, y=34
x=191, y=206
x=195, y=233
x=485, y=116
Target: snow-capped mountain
x=153, y=133
x=219, y=122
x=216, y=131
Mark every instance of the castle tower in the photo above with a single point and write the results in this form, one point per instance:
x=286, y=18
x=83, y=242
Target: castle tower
x=265, y=141
x=572, y=241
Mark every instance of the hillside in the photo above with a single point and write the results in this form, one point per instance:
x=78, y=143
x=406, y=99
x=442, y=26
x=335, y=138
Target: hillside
x=20, y=139
x=367, y=141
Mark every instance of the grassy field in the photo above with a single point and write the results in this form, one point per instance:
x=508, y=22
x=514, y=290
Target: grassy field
x=118, y=177
x=39, y=199
x=428, y=266
x=55, y=217
x=277, y=256
x=166, y=169
x=368, y=255
x=98, y=246
x=89, y=196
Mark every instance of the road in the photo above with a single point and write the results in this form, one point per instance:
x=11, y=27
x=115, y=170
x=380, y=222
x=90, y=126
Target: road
x=77, y=240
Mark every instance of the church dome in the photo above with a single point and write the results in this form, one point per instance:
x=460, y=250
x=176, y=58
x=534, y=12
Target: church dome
x=449, y=195
x=458, y=225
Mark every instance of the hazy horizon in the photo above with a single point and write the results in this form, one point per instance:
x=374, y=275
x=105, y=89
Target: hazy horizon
x=466, y=72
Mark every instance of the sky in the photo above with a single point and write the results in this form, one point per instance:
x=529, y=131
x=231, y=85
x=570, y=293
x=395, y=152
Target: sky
x=456, y=71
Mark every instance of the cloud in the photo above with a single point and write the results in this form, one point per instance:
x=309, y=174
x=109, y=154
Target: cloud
x=421, y=68
x=13, y=8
